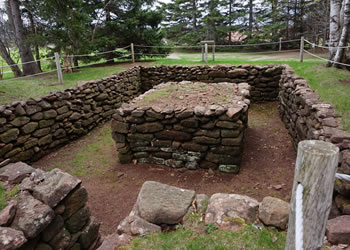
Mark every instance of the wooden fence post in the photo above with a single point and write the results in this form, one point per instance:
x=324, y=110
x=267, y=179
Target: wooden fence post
x=202, y=47
x=206, y=53
x=58, y=67
x=280, y=47
x=132, y=52
x=213, y=52
x=315, y=170
x=302, y=49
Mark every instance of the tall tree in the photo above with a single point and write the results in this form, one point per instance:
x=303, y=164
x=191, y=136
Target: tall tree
x=340, y=56
x=334, y=28
x=14, y=15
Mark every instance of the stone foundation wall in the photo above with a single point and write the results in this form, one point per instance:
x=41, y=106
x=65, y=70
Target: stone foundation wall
x=32, y=128
x=308, y=118
x=49, y=212
x=264, y=80
x=205, y=137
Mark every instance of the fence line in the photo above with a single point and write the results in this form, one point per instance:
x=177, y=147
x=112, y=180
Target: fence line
x=37, y=74
x=327, y=60
x=98, y=53
x=18, y=64
x=326, y=47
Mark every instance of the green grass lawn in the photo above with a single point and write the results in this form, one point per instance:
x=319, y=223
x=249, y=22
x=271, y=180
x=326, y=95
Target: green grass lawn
x=34, y=87
x=195, y=235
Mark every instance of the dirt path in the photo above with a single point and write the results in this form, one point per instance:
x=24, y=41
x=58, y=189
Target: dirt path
x=267, y=168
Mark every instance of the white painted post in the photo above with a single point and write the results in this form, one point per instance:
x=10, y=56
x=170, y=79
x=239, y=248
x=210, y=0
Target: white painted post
x=315, y=170
x=132, y=52
x=206, y=53
x=59, y=69
x=280, y=48
x=213, y=52
x=302, y=49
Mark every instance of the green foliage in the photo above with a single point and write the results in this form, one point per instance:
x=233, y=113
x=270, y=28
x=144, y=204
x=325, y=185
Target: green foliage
x=6, y=196
x=209, y=228
x=249, y=237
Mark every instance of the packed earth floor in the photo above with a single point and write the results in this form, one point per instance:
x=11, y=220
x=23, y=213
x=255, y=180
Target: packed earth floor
x=267, y=168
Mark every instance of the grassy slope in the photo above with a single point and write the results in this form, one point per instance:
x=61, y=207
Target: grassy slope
x=35, y=87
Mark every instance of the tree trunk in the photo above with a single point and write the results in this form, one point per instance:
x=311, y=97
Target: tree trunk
x=340, y=54
x=36, y=46
x=251, y=16
x=334, y=28
x=24, y=49
x=7, y=57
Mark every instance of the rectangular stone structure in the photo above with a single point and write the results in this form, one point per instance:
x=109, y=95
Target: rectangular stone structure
x=185, y=124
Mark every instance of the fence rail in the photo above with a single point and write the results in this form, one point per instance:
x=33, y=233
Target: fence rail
x=132, y=53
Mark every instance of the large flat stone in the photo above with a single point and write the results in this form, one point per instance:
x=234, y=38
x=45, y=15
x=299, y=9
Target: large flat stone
x=274, y=212
x=230, y=211
x=338, y=230
x=159, y=203
x=53, y=187
x=14, y=173
x=11, y=239
x=32, y=216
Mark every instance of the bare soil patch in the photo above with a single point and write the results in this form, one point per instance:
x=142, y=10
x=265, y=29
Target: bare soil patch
x=188, y=94
x=267, y=168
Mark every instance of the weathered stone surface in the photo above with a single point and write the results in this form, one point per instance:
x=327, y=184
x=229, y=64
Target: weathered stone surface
x=231, y=169
x=11, y=239
x=141, y=137
x=199, y=110
x=8, y=213
x=342, y=187
x=53, y=188
x=209, y=133
x=14, y=173
x=173, y=135
x=206, y=140
x=89, y=233
x=134, y=225
x=9, y=135
x=74, y=201
x=61, y=240
x=53, y=229
x=232, y=112
x=227, y=124
x=50, y=114
x=191, y=146
x=230, y=133
x=20, y=121
x=189, y=122
x=345, y=164
x=32, y=216
x=120, y=127
x=174, y=163
x=78, y=220
x=237, y=72
x=149, y=127
x=160, y=203
x=342, y=204
x=338, y=230
x=230, y=211
x=274, y=212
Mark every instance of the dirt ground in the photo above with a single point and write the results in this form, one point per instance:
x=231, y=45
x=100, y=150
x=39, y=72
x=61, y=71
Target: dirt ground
x=267, y=168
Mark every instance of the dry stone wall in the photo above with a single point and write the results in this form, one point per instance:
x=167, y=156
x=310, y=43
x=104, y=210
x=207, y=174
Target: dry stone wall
x=204, y=136
x=31, y=128
x=264, y=80
x=49, y=212
x=308, y=118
